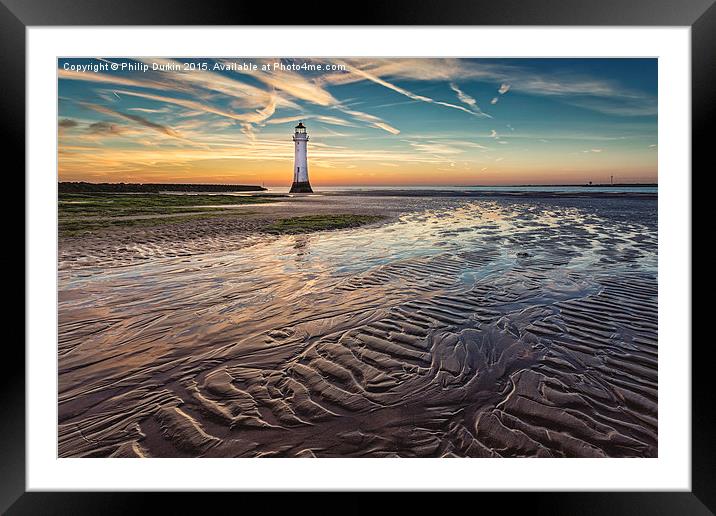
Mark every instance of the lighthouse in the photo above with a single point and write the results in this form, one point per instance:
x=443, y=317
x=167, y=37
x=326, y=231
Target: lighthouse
x=300, y=161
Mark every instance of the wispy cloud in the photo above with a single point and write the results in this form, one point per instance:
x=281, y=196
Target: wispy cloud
x=504, y=88
x=463, y=97
x=467, y=99
x=436, y=148
x=258, y=115
x=105, y=128
x=119, y=80
x=148, y=110
x=134, y=118
x=372, y=120
x=332, y=120
x=67, y=123
x=589, y=93
x=295, y=85
x=376, y=79
x=250, y=104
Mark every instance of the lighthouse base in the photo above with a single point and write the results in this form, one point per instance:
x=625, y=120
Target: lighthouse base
x=302, y=187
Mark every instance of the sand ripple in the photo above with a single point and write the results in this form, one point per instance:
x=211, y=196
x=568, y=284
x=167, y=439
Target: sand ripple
x=479, y=328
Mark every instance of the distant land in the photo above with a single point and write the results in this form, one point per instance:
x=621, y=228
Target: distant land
x=572, y=185
x=624, y=185
x=83, y=187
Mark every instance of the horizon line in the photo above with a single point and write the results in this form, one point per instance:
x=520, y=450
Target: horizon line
x=636, y=183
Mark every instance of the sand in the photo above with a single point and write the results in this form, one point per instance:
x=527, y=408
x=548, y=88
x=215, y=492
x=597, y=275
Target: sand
x=458, y=326
x=238, y=227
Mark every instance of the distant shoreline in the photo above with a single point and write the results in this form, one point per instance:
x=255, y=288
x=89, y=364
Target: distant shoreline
x=84, y=187
x=224, y=187
x=544, y=194
x=595, y=185
x=515, y=191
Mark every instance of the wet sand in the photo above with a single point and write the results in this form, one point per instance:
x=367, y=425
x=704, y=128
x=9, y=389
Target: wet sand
x=458, y=326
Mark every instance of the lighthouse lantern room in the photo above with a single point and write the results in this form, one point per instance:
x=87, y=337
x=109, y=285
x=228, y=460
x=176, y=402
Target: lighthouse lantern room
x=300, y=162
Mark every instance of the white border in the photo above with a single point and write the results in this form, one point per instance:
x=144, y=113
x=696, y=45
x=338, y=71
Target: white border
x=670, y=471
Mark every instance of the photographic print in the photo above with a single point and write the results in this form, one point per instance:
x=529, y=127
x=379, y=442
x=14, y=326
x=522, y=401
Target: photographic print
x=357, y=257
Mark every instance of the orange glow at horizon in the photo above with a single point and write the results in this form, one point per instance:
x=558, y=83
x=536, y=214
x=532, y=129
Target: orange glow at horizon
x=278, y=172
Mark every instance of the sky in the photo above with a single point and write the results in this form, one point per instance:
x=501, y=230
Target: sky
x=371, y=121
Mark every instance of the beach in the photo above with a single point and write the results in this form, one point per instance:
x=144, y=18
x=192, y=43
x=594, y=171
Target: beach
x=362, y=324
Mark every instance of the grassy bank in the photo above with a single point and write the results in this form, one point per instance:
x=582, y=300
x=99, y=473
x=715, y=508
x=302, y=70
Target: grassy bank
x=122, y=205
x=78, y=213
x=311, y=223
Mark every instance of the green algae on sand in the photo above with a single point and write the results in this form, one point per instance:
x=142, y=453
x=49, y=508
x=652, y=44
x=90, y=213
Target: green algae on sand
x=311, y=223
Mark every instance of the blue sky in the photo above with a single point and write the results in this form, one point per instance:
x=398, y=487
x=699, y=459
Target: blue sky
x=371, y=121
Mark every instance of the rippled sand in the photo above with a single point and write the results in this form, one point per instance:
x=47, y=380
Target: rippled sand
x=460, y=327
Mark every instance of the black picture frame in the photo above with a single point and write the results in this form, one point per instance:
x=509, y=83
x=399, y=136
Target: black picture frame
x=17, y=15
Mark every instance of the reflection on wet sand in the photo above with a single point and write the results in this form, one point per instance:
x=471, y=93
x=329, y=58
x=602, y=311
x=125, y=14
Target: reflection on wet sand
x=481, y=328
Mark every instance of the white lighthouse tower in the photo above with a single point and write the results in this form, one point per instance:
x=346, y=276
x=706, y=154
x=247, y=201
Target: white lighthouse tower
x=300, y=162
